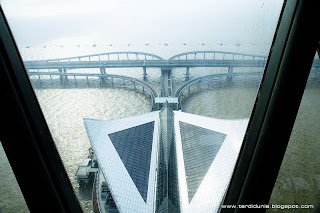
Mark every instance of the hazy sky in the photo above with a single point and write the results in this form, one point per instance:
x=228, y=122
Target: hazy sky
x=143, y=20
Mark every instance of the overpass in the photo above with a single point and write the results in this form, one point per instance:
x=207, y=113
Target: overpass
x=179, y=94
x=147, y=60
x=145, y=86
x=143, y=60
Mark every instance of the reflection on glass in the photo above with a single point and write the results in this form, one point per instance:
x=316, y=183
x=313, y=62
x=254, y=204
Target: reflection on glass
x=298, y=181
x=11, y=199
x=110, y=59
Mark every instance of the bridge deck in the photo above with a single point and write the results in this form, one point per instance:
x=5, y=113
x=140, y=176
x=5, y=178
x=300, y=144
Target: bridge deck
x=143, y=63
x=146, y=85
x=144, y=60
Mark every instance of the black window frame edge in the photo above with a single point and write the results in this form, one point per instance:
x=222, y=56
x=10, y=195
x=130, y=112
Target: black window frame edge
x=278, y=100
x=25, y=136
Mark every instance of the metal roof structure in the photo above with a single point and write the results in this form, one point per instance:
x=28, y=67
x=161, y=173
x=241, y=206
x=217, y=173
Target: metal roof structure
x=167, y=161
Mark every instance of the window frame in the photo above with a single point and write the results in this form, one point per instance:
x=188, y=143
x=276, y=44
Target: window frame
x=276, y=106
x=27, y=140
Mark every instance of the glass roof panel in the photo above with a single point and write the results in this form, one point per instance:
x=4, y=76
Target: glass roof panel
x=134, y=147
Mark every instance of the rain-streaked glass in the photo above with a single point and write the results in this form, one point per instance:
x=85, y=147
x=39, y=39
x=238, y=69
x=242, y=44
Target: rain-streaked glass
x=298, y=181
x=165, y=33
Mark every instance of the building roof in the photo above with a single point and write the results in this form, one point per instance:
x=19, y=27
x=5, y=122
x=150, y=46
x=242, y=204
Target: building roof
x=200, y=162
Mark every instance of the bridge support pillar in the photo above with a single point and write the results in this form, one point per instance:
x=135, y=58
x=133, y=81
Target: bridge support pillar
x=63, y=78
x=103, y=79
x=187, y=73
x=102, y=70
x=166, y=83
x=65, y=71
x=230, y=71
x=144, y=73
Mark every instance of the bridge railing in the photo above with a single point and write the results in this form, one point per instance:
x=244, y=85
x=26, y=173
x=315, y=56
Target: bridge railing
x=179, y=92
x=111, y=56
x=149, y=88
x=216, y=55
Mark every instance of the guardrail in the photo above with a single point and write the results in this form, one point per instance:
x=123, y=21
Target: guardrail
x=179, y=92
x=153, y=92
x=214, y=55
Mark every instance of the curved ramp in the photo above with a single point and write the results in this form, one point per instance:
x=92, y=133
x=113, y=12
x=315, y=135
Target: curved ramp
x=179, y=92
x=214, y=55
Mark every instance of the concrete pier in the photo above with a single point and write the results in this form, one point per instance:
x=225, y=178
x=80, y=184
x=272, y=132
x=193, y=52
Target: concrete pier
x=166, y=83
x=103, y=79
x=166, y=91
x=188, y=74
x=103, y=70
x=230, y=71
x=63, y=71
x=144, y=73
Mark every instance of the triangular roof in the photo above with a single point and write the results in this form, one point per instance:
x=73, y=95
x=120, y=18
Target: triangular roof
x=206, y=150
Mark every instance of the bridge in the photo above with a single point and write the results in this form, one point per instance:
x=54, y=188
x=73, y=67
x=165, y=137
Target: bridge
x=64, y=77
x=180, y=91
x=146, y=60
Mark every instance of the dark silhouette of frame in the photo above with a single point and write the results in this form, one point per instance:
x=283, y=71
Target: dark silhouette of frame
x=39, y=170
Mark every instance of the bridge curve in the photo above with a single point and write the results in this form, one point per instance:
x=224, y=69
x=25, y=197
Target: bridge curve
x=152, y=91
x=216, y=55
x=179, y=92
x=109, y=56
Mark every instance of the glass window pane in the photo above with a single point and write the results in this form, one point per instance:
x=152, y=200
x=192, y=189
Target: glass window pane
x=11, y=198
x=107, y=59
x=298, y=181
